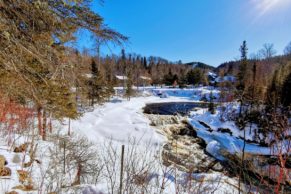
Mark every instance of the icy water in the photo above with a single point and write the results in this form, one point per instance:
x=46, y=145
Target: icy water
x=222, y=140
x=173, y=108
x=217, y=142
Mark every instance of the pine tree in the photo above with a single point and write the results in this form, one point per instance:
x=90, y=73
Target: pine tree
x=287, y=50
x=169, y=78
x=145, y=64
x=194, y=76
x=243, y=67
x=33, y=41
x=240, y=94
x=97, y=85
x=286, y=92
x=129, y=84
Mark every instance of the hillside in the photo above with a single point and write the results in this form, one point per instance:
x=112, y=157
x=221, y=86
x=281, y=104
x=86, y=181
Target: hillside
x=200, y=65
x=268, y=65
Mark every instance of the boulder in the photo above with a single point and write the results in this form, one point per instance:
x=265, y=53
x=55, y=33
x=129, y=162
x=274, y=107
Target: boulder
x=21, y=148
x=5, y=171
x=184, y=149
x=225, y=130
x=25, y=179
x=3, y=161
x=11, y=192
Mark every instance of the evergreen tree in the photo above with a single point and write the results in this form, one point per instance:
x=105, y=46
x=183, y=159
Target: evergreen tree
x=242, y=67
x=286, y=92
x=183, y=81
x=275, y=90
x=145, y=65
x=194, y=76
x=169, y=78
x=97, y=85
x=33, y=41
x=287, y=50
x=129, y=84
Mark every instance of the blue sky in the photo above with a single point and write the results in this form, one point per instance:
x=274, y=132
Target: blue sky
x=209, y=31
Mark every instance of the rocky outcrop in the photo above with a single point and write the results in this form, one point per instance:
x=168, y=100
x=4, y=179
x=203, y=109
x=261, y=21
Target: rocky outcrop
x=11, y=192
x=21, y=148
x=183, y=149
x=25, y=179
x=4, y=171
x=3, y=161
x=255, y=166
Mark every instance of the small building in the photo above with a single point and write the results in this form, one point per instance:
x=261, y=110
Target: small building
x=144, y=81
x=120, y=80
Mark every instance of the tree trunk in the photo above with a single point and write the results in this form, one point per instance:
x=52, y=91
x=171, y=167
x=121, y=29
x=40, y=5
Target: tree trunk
x=78, y=176
x=69, y=128
x=44, y=126
x=50, y=124
x=39, y=118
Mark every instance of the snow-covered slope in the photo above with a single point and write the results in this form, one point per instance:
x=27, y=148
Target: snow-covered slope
x=118, y=120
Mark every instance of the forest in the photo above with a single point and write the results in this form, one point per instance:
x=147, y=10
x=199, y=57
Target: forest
x=53, y=96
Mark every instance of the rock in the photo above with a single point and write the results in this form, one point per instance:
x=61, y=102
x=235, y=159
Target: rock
x=11, y=192
x=187, y=129
x=16, y=159
x=206, y=126
x=5, y=171
x=21, y=148
x=23, y=176
x=3, y=161
x=161, y=120
x=24, y=187
x=184, y=149
x=217, y=167
x=19, y=187
x=257, y=166
x=25, y=179
x=225, y=130
x=187, y=155
x=202, y=143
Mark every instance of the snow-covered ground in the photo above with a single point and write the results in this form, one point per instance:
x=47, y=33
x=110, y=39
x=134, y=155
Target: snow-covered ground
x=120, y=120
x=232, y=139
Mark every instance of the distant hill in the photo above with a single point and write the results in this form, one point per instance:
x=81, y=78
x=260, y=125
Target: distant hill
x=200, y=65
x=228, y=67
x=264, y=66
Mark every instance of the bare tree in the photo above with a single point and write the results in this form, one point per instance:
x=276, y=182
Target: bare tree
x=287, y=50
x=267, y=51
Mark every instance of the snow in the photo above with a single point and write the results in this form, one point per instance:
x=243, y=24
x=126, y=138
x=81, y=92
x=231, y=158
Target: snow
x=120, y=120
x=88, y=75
x=193, y=94
x=145, y=78
x=213, y=148
x=212, y=76
x=225, y=78
x=121, y=77
x=117, y=120
x=232, y=143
